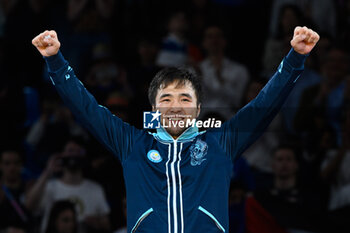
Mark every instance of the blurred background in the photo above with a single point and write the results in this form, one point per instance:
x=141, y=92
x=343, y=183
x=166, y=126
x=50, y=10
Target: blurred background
x=55, y=177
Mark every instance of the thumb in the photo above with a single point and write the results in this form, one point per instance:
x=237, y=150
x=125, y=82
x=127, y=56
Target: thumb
x=298, y=38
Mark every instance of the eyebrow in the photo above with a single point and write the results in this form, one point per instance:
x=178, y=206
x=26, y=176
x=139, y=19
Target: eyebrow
x=164, y=95
x=186, y=95
x=182, y=94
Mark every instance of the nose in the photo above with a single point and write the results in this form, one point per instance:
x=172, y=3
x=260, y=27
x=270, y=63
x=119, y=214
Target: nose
x=176, y=107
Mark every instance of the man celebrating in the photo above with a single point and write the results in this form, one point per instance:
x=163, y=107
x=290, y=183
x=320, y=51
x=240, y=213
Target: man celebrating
x=177, y=179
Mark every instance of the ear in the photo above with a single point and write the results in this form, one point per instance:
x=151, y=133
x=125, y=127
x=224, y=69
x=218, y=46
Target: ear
x=198, y=110
x=153, y=108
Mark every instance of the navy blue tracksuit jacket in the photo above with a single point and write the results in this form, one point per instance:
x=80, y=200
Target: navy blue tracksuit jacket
x=182, y=185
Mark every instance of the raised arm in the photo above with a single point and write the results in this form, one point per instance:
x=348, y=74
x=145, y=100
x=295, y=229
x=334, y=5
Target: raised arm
x=112, y=132
x=250, y=122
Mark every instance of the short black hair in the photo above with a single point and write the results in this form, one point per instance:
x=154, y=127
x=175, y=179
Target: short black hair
x=57, y=208
x=169, y=75
x=291, y=147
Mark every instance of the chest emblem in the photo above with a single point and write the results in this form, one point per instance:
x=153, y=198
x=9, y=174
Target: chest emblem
x=154, y=156
x=198, y=151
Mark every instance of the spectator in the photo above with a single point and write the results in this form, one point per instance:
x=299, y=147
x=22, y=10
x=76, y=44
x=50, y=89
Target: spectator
x=277, y=45
x=199, y=12
x=12, y=210
x=104, y=169
x=311, y=159
x=292, y=206
x=335, y=171
x=119, y=105
x=290, y=15
x=83, y=25
x=90, y=16
x=141, y=74
x=62, y=218
x=223, y=79
x=174, y=48
x=49, y=134
x=106, y=75
x=320, y=104
x=88, y=196
x=314, y=10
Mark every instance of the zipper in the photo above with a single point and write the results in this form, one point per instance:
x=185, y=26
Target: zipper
x=173, y=174
x=221, y=228
x=180, y=189
x=143, y=216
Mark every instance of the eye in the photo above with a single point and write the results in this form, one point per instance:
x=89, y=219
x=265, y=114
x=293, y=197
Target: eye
x=165, y=100
x=186, y=100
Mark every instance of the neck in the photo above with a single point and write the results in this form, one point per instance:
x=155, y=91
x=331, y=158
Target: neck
x=284, y=183
x=187, y=134
x=216, y=58
x=72, y=178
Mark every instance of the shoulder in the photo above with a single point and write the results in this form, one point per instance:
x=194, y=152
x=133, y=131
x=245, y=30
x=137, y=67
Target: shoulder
x=205, y=64
x=235, y=65
x=90, y=184
x=53, y=183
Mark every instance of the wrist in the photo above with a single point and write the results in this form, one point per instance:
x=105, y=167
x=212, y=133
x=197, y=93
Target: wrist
x=55, y=62
x=296, y=59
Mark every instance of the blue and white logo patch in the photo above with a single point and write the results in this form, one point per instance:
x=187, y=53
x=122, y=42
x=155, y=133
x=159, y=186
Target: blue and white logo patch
x=154, y=156
x=198, y=151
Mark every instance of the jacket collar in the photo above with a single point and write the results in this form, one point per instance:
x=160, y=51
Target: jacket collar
x=188, y=135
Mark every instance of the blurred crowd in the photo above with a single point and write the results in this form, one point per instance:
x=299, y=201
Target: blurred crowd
x=56, y=178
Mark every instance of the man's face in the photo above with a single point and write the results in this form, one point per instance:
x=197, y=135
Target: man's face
x=178, y=23
x=65, y=221
x=214, y=41
x=284, y=163
x=73, y=156
x=11, y=165
x=176, y=103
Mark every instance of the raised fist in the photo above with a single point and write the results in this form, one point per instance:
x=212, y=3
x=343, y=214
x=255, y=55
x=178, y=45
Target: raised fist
x=304, y=40
x=47, y=43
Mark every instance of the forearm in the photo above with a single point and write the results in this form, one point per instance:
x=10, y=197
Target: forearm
x=251, y=121
x=75, y=96
x=109, y=130
x=34, y=195
x=36, y=132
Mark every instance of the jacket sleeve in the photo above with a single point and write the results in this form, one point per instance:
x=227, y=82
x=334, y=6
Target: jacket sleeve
x=249, y=123
x=117, y=136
